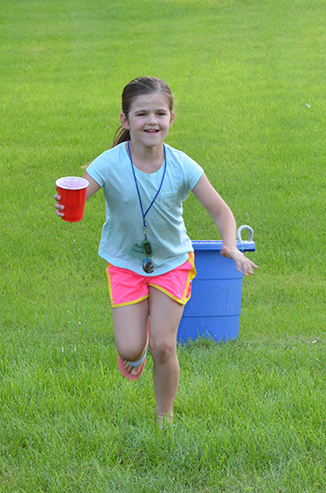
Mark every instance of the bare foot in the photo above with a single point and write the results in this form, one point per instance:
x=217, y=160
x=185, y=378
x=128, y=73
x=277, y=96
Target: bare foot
x=166, y=418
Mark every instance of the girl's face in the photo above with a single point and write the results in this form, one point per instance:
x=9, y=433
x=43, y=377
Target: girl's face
x=149, y=119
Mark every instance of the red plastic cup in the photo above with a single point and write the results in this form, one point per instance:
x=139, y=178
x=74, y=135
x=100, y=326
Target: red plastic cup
x=72, y=191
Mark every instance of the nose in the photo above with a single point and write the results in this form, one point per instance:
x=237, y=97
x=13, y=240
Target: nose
x=151, y=120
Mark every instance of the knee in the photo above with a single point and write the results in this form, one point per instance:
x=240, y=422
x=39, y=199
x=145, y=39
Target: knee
x=130, y=353
x=162, y=350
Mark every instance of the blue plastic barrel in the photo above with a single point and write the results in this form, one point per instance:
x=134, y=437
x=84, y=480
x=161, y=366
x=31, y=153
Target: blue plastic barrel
x=214, y=307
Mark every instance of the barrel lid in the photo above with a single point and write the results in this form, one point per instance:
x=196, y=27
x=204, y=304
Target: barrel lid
x=243, y=246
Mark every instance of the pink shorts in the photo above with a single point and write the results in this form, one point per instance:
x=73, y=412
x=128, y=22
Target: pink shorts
x=127, y=288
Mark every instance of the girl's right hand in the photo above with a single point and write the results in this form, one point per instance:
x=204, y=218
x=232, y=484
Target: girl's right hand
x=58, y=206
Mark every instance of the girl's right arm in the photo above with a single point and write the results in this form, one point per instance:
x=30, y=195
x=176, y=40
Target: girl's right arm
x=92, y=188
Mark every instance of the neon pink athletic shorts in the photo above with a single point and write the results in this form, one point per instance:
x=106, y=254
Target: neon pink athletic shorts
x=127, y=288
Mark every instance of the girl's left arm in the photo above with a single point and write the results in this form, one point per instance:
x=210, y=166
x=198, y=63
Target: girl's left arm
x=223, y=217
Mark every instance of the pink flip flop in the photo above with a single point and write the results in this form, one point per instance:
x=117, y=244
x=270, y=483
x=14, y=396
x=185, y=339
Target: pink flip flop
x=128, y=375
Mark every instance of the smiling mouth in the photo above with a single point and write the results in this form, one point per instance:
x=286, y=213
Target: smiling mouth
x=151, y=131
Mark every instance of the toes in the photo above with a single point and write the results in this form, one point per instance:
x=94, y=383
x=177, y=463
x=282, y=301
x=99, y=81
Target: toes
x=136, y=370
x=126, y=365
x=131, y=369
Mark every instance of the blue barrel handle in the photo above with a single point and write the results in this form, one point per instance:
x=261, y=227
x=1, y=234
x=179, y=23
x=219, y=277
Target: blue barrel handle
x=251, y=232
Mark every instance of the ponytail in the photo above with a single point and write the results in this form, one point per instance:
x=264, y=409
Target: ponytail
x=121, y=135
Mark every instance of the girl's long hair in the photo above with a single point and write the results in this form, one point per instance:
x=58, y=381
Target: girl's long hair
x=139, y=87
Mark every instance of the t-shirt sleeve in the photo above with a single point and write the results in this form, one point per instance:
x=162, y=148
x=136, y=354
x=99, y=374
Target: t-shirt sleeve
x=193, y=171
x=99, y=169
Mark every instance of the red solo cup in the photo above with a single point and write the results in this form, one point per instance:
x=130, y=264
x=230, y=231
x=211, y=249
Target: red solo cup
x=72, y=191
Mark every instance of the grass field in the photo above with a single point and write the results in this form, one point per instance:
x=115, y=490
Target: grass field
x=248, y=78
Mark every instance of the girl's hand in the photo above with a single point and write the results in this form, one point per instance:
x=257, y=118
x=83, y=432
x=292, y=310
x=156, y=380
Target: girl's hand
x=58, y=206
x=243, y=263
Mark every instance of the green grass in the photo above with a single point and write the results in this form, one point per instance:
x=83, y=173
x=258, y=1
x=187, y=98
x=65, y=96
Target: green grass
x=248, y=79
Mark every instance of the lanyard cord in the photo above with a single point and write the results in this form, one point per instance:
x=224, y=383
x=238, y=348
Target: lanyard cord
x=158, y=191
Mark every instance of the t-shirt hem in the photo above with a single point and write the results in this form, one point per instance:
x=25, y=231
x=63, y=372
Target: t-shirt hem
x=163, y=269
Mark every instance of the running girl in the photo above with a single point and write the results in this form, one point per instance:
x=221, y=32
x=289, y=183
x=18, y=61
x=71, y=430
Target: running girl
x=144, y=239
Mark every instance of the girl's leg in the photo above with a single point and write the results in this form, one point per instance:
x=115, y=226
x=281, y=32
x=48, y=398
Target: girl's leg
x=165, y=318
x=130, y=324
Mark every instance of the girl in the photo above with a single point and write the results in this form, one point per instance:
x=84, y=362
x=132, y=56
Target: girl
x=144, y=240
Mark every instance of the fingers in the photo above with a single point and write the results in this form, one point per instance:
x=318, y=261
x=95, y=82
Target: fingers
x=243, y=263
x=58, y=206
x=246, y=266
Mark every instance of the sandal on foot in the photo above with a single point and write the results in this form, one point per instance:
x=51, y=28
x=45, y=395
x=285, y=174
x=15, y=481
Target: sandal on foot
x=129, y=375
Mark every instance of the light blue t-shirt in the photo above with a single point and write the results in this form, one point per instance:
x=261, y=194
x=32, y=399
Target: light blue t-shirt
x=122, y=232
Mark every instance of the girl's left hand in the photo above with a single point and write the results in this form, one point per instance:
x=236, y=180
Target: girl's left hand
x=243, y=263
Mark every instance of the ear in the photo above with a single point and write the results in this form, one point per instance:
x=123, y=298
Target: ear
x=124, y=121
x=172, y=118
